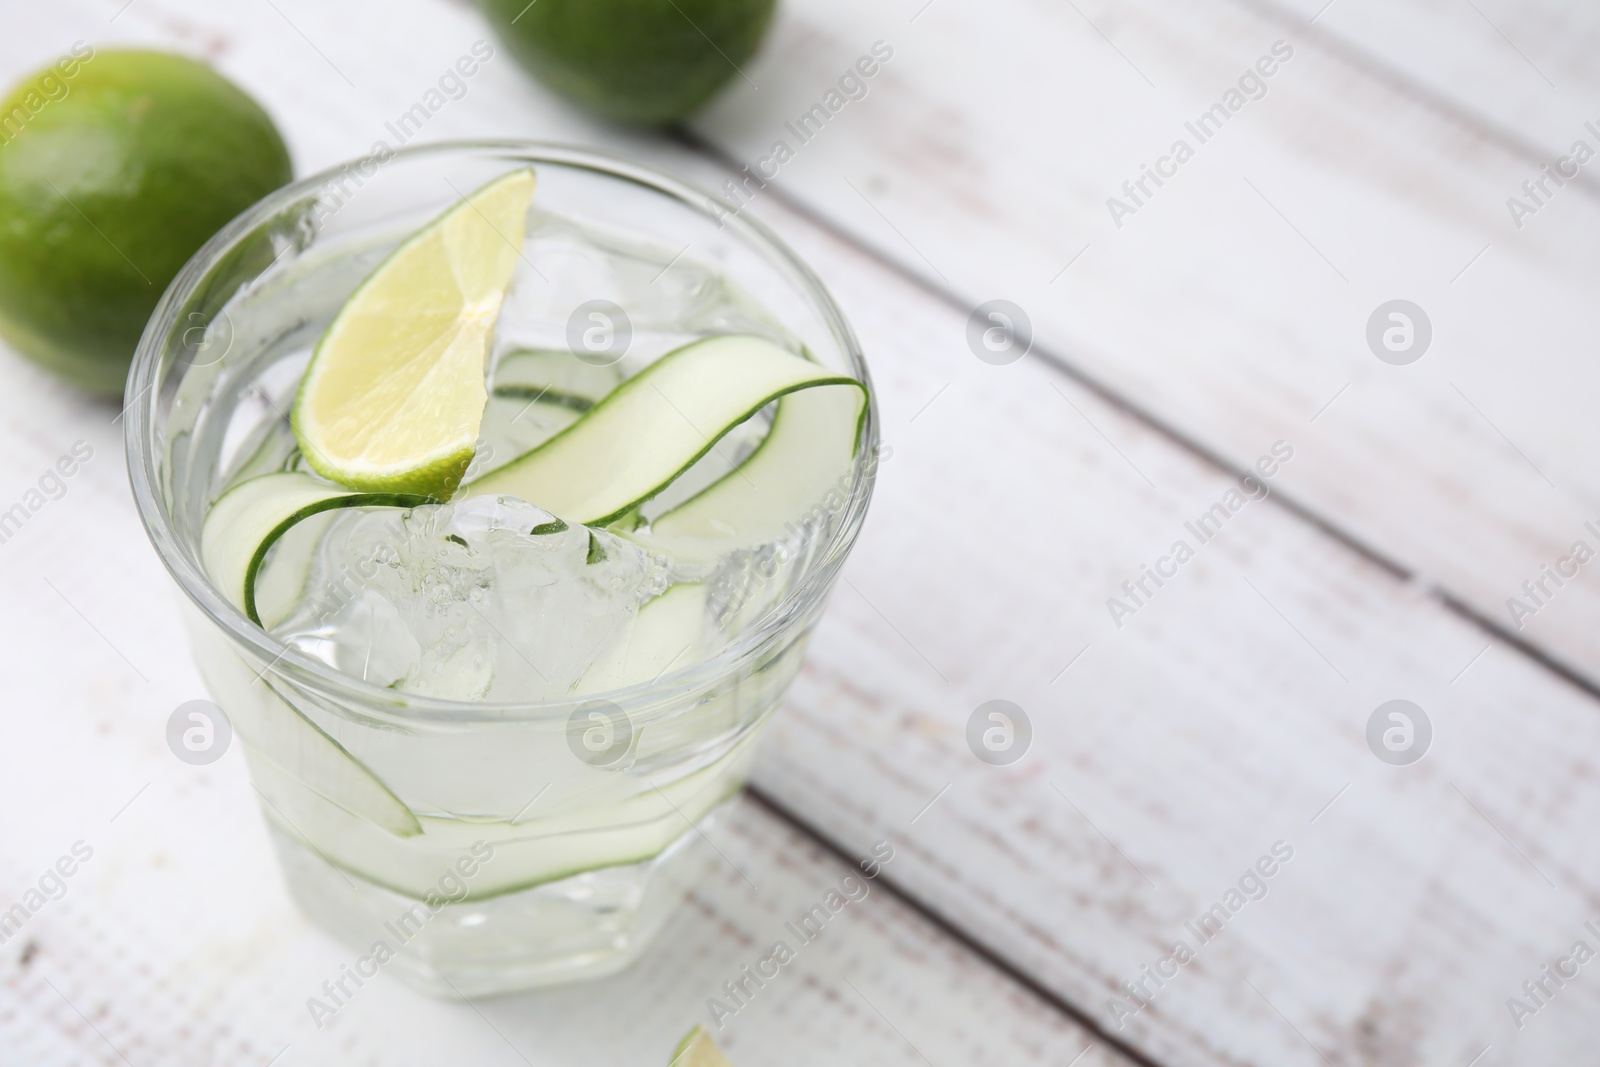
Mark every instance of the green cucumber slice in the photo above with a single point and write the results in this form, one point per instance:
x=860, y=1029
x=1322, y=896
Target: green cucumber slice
x=536, y=394
x=805, y=457
x=250, y=518
x=276, y=732
x=276, y=444
x=513, y=427
x=586, y=834
x=238, y=532
x=280, y=581
x=287, y=739
x=541, y=394
x=552, y=376
x=661, y=637
x=632, y=444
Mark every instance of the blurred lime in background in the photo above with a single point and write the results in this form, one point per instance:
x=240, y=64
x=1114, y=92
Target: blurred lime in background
x=634, y=61
x=115, y=167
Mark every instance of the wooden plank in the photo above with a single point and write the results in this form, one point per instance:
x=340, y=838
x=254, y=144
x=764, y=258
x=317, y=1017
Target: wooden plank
x=1520, y=70
x=175, y=942
x=1194, y=737
x=1232, y=307
x=1168, y=756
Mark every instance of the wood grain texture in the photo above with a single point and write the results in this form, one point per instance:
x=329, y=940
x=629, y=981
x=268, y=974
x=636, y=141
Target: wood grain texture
x=1521, y=70
x=1233, y=305
x=1227, y=714
x=1221, y=718
x=176, y=943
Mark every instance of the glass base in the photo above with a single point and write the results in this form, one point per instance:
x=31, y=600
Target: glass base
x=582, y=927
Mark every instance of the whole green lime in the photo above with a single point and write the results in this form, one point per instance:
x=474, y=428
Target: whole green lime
x=635, y=61
x=115, y=167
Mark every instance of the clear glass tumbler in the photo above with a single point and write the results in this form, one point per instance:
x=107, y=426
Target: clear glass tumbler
x=472, y=848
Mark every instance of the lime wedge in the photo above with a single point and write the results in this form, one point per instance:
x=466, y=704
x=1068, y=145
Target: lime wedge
x=394, y=393
x=698, y=1050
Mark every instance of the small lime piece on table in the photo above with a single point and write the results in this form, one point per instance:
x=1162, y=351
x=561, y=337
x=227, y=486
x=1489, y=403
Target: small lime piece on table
x=698, y=1050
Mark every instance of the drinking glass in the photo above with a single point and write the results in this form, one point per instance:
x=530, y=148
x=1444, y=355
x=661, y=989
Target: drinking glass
x=471, y=848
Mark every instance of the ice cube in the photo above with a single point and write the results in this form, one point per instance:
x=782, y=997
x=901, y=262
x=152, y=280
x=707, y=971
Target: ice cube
x=669, y=295
x=489, y=598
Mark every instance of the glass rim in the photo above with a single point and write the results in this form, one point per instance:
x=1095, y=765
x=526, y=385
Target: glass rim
x=143, y=391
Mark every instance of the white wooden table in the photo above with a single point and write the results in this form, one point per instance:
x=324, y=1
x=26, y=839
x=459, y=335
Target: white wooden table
x=1225, y=714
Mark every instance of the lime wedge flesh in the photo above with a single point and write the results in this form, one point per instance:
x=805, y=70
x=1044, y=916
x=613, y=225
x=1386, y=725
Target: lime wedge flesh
x=394, y=393
x=698, y=1050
